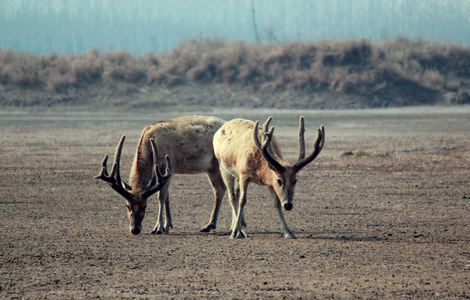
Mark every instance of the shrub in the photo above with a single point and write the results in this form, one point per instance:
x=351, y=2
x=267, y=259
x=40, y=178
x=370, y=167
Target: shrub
x=393, y=68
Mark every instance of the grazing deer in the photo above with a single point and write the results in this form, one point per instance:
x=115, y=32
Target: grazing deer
x=136, y=196
x=188, y=142
x=243, y=157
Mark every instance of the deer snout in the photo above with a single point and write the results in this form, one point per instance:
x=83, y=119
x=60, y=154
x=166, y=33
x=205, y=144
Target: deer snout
x=288, y=205
x=135, y=230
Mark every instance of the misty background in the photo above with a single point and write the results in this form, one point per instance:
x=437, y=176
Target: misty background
x=45, y=26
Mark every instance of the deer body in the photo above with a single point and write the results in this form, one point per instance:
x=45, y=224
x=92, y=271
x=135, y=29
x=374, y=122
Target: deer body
x=187, y=143
x=244, y=159
x=234, y=143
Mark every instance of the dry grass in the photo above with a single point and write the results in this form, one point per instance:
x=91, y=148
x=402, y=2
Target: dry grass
x=388, y=73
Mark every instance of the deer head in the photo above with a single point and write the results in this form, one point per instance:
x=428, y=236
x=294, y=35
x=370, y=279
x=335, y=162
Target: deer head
x=136, y=201
x=283, y=175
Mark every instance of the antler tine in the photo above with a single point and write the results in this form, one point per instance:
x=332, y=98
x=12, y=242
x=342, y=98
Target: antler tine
x=155, y=160
x=266, y=124
x=167, y=169
x=255, y=135
x=155, y=167
x=317, y=147
x=266, y=132
x=268, y=135
x=263, y=148
x=154, y=150
x=301, y=138
x=323, y=136
x=104, y=171
x=115, y=171
x=158, y=180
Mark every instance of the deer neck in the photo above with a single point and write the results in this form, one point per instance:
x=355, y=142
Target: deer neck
x=265, y=173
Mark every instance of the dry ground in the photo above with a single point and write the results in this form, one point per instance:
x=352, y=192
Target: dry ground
x=392, y=220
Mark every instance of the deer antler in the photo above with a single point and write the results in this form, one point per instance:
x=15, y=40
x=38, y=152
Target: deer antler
x=317, y=146
x=263, y=148
x=114, y=179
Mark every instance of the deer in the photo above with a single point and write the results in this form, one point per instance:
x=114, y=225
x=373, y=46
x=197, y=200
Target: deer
x=187, y=142
x=243, y=157
x=135, y=196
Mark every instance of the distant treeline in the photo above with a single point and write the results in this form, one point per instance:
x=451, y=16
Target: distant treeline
x=397, y=72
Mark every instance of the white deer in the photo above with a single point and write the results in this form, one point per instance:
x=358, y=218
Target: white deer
x=187, y=141
x=243, y=157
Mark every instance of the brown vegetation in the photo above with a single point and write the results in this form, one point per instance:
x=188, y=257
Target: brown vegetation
x=399, y=72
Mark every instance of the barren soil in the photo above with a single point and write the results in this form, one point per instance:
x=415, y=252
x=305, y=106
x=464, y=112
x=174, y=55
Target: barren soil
x=384, y=212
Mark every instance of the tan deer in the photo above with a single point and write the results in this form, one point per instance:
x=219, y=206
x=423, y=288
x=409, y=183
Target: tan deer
x=187, y=141
x=244, y=158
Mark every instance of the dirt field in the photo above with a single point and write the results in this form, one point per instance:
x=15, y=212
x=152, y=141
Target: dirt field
x=384, y=212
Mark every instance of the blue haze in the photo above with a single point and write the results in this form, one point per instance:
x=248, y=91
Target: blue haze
x=140, y=26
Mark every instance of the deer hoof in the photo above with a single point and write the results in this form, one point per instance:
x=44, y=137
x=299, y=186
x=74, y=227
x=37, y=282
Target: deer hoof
x=289, y=235
x=207, y=228
x=241, y=234
x=157, y=230
x=167, y=227
x=238, y=235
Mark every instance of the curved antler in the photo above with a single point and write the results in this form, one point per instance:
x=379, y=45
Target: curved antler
x=263, y=148
x=114, y=178
x=317, y=146
x=158, y=179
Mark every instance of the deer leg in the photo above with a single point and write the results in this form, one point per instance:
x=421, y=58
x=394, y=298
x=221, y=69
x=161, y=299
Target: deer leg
x=237, y=195
x=168, y=218
x=162, y=196
x=237, y=232
x=234, y=204
x=229, y=182
x=285, y=231
x=218, y=186
x=158, y=229
x=242, y=217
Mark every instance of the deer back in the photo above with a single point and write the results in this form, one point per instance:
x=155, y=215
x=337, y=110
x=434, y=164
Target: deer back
x=187, y=140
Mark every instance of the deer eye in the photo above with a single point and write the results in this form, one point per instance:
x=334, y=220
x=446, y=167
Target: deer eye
x=294, y=182
x=128, y=207
x=279, y=181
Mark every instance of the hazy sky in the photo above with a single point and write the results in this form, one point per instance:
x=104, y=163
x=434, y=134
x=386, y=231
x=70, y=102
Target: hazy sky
x=64, y=26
